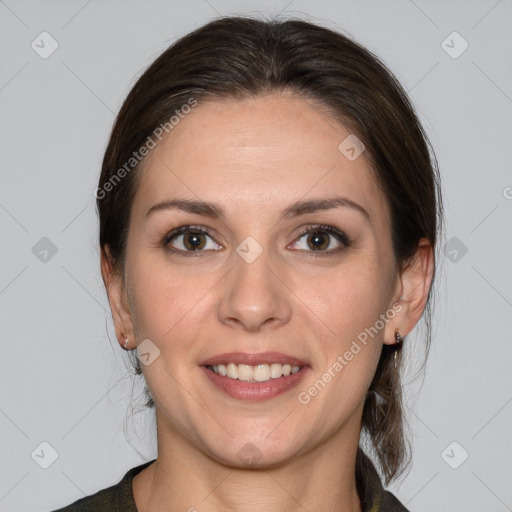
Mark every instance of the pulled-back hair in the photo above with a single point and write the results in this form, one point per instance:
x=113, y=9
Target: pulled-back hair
x=236, y=58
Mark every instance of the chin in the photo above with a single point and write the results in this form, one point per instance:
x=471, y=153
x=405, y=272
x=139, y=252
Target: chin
x=255, y=452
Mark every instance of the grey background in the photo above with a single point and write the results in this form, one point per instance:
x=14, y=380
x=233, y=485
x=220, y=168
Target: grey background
x=65, y=380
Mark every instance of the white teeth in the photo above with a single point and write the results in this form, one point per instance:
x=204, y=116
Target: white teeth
x=276, y=370
x=245, y=372
x=232, y=371
x=258, y=373
x=261, y=373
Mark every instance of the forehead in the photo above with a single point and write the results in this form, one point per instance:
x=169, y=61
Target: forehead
x=266, y=151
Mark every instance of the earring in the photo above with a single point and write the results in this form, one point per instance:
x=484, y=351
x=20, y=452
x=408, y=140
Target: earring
x=399, y=340
x=125, y=342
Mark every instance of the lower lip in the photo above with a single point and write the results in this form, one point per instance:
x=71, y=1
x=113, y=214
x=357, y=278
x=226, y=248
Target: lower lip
x=255, y=391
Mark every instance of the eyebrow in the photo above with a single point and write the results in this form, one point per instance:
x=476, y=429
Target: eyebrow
x=296, y=209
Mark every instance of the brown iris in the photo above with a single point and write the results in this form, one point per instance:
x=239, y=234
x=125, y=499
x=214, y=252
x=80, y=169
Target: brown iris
x=318, y=241
x=194, y=241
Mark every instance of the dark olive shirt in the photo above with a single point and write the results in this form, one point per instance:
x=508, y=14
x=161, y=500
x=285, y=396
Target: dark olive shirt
x=119, y=497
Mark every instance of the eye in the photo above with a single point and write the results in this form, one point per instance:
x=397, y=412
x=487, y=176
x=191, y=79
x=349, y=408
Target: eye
x=193, y=240
x=189, y=239
x=323, y=239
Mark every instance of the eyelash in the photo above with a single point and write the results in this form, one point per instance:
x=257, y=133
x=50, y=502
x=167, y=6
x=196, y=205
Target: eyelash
x=317, y=228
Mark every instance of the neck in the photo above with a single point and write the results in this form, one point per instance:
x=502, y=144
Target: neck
x=185, y=479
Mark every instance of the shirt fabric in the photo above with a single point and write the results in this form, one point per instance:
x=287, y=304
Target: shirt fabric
x=119, y=497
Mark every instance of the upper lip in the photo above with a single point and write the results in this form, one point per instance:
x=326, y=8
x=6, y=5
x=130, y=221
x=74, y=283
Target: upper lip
x=252, y=359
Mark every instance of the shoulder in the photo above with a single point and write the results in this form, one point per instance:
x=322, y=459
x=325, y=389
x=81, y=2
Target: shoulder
x=101, y=501
x=117, y=498
x=389, y=503
x=374, y=498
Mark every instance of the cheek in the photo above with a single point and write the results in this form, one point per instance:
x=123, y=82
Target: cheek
x=347, y=304
x=165, y=303
x=347, y=299
x=347, y=356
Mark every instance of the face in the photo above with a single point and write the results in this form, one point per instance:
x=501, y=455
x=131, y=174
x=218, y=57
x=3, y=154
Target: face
x=258, y=257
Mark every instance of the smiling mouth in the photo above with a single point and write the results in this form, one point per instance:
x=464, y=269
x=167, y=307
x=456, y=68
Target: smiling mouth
x=254, y=373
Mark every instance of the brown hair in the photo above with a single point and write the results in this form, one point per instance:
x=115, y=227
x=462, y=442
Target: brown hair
x=236, y=57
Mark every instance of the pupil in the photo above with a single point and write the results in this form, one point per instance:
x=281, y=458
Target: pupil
x=318, y=241
x=193, y=241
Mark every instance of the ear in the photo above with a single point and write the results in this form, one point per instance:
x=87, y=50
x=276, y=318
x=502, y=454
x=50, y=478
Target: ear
x=116, y=291
x=412, y=292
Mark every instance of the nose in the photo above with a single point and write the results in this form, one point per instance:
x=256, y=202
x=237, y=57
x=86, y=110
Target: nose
x=254, y=295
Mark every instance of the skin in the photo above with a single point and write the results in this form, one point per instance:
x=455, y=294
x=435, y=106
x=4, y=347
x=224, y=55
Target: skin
x=253, y=158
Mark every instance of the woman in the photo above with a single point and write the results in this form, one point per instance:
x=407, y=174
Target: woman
x=269, y=213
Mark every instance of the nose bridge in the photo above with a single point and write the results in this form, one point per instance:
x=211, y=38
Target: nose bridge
x=253, y=295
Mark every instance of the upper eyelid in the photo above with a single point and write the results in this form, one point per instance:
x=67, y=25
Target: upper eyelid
x=308, y=228
x=182, y=230
x=339, y=234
